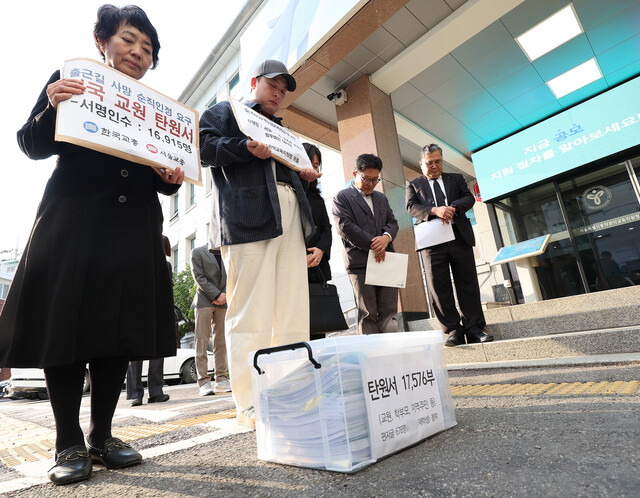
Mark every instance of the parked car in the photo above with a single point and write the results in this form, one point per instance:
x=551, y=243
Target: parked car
x=30, y=383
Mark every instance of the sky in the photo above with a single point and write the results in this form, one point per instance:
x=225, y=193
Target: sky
x=49, y=32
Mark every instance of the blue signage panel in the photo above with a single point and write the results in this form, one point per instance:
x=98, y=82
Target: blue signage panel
x=525, y=249
x=594, y=129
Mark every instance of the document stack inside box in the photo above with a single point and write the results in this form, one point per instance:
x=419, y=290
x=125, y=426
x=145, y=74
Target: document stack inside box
x=343, y=403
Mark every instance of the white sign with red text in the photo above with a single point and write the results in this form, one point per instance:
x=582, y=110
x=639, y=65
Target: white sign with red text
x=120, y=116
x=285, y=146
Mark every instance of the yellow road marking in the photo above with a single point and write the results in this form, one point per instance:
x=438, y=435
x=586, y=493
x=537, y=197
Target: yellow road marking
x=551, y=389
x=30, y=442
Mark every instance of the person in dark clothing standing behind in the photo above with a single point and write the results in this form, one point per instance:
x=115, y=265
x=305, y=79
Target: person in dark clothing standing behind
x=92, y=284
x=319, y=244
x=446, y=196
x=155, y=372
x=365, y=222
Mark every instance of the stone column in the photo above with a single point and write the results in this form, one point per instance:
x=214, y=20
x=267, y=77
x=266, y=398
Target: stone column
x=366, y=125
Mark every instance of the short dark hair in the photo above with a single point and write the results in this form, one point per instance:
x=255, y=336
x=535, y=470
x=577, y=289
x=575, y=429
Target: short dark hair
x=166, y=245
x=366, y=161
x=312, y=151
x=110, y=18
x=430, y=148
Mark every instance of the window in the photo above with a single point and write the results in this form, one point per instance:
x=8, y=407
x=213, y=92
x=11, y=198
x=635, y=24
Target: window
x=190, y=243
x=174, y=258
x=234, y=88
x=213, y=102
x=4, y=290
x=192, y=194
x=175, y=204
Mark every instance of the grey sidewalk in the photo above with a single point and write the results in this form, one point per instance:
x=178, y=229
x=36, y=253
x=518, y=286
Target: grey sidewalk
x=504, y=445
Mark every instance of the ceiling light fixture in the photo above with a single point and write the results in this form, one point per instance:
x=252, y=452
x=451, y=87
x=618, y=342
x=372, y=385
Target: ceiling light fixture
x=575, y=78
x=550, y=33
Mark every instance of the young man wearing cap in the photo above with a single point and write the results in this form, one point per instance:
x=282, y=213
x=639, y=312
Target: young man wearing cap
x=260, y=220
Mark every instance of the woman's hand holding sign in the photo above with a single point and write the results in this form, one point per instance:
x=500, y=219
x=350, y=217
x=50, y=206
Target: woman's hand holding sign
x=64, y=89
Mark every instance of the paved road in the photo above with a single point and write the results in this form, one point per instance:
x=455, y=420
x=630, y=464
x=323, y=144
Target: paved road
x=571, y=431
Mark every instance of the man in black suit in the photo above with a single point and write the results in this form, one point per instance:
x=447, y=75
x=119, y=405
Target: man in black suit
x=260, y=220
x=365, y=222
x=446, y=196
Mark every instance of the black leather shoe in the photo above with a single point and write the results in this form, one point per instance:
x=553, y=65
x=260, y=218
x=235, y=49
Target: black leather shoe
x=159, y=398
x=116, y=454
x=72, y=465
x=454, y=340
x=136, y=402
x=485, y=337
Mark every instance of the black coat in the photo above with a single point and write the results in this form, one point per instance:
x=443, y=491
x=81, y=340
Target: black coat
x=321, y=239
x=93, y=279
x=245, y=205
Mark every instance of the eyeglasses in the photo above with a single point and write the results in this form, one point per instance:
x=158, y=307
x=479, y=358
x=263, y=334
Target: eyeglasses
x=369, y=181
x=437, y=162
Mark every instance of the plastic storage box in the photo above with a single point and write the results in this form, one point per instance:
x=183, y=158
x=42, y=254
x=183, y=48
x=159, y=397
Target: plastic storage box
x=343, y=403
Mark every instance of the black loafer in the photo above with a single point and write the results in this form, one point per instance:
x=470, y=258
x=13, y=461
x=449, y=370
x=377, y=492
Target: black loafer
x=454, y=340
x=136, y=402
x=116, y=454
x=72, y=465
x=159, y=398
x=485, y=337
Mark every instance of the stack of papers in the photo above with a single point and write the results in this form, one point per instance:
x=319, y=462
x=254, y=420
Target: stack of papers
x=311, y=429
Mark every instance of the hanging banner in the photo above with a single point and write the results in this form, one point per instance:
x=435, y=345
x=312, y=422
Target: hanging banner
x=285, y=146
x=119, y=116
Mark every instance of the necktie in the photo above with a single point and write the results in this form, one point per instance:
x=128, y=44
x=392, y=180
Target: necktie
x=439, y=194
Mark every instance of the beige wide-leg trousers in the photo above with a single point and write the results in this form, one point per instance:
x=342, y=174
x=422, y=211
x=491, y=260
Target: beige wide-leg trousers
x=267, y=295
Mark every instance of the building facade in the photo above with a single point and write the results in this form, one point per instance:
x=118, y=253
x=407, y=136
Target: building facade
x=389, y=76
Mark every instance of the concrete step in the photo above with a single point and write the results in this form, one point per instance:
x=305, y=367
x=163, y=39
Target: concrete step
x=602, y=310
x=560, y=345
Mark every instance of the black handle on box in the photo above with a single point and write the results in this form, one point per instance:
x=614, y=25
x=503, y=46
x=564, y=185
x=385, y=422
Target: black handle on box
x=286, y=347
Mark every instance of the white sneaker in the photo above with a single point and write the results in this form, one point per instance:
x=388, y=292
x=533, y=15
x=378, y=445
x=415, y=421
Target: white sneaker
x=224, y=386
x=206, y=389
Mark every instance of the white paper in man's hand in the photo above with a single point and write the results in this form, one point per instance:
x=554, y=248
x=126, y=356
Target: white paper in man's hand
x=431, y=233
x=392, y=272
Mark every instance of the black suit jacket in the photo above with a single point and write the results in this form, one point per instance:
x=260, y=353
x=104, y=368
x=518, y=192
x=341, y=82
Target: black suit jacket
x=419, y=201
x=357, y=225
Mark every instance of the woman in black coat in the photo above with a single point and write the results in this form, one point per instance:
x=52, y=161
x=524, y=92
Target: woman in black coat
x=92, y=285
x=319, y=245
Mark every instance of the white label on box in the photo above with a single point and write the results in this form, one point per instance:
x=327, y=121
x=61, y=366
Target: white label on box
x=403, y=400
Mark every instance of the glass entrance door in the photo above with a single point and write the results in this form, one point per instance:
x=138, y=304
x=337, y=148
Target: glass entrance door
x=604, y=216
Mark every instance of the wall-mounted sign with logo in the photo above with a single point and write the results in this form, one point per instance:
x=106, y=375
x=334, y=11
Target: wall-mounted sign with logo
x=597, y=197
x=597, y=128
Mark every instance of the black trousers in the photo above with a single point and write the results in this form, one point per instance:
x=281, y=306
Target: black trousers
x=455, y=256
x=155, y=374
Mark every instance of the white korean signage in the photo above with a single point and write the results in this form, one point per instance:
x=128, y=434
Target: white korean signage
x=284, y=145
x=403, y=400
x=122, y=117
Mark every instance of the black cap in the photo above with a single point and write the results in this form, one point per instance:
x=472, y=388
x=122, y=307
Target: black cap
x=271, y=68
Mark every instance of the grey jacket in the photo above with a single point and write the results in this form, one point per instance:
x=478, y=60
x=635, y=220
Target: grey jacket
x=210, y=278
